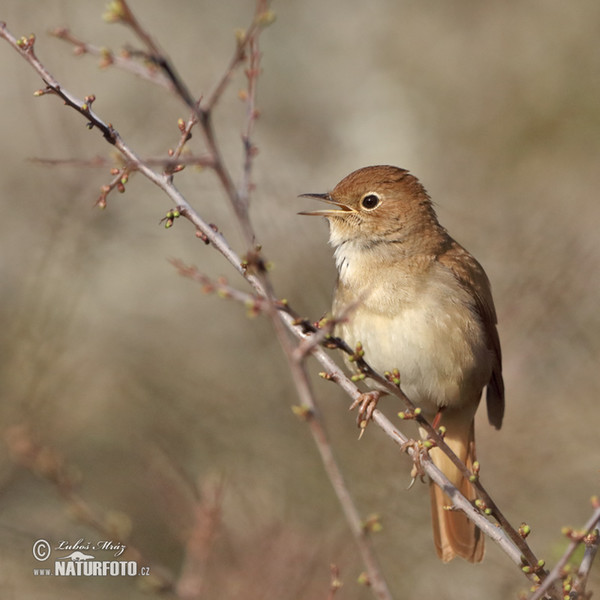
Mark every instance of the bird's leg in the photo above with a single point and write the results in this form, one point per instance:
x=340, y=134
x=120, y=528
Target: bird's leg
x=438, y=417
x=366, y=403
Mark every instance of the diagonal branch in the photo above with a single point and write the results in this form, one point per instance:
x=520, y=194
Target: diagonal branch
x=122, y=61
x=335, y=373
x=556, y=573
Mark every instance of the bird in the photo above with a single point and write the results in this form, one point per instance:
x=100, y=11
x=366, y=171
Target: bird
x=418, y=302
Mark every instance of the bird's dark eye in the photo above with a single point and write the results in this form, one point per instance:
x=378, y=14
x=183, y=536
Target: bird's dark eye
x=370, y=201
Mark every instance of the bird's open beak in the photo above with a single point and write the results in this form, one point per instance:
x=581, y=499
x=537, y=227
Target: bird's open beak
x=327, y=212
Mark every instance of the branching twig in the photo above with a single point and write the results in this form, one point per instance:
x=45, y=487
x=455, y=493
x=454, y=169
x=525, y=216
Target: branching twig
x=250, y=149
x=152, y=161
x=118, y=11
x=122, y=61
x=589, y=533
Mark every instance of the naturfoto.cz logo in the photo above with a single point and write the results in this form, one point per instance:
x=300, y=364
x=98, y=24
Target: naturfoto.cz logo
x=81, y=563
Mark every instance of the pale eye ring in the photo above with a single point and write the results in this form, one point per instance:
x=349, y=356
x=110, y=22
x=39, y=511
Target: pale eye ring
x=370, y=201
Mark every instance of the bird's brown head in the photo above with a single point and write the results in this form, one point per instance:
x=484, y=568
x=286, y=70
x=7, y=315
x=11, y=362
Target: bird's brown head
x=376, y=203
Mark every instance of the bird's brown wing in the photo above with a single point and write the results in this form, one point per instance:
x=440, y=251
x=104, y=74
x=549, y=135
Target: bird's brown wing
x=472, y=277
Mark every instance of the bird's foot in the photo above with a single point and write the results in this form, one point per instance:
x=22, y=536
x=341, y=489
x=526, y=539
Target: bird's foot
x=366, y=403
x=418, y=450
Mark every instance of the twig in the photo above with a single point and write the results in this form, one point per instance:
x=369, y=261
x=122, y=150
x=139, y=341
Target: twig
x=24, y=46
x=119, y=12
x=102, y=162
x=586, y=565
x=121, y=61
x=335, y=583
x=250, y=149
x=186, y=134
x=207, y=519
x=361, y=535
x=555, y=573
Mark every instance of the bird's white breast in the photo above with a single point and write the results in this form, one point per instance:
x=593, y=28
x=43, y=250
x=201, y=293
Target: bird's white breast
x=417, y=319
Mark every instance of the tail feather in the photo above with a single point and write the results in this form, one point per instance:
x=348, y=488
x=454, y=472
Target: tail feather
x=453, y=534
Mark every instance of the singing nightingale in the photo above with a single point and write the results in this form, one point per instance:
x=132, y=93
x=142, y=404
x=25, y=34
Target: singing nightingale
x=418, y=302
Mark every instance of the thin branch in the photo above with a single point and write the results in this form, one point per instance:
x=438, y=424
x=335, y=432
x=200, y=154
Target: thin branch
x=586, y=565
x=119, y=12
x=103, y=162
x=335, y=583
x=175, y=154
x=124, y=61
x=360, y=532
x=556, y=572
x=206, y=524
x=25, y=47
x=250, y=150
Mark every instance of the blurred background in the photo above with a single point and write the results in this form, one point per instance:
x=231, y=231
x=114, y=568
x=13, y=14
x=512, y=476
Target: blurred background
x=145, y=390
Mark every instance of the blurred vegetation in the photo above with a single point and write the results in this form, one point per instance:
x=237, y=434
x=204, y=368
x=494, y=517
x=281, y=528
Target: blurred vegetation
x=147, y=388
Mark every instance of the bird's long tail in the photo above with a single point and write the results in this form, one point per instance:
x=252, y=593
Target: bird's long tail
x=453, y=534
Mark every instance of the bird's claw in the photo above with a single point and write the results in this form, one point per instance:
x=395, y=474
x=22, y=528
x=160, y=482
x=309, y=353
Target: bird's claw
x=366, y=404
x=418, y=449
